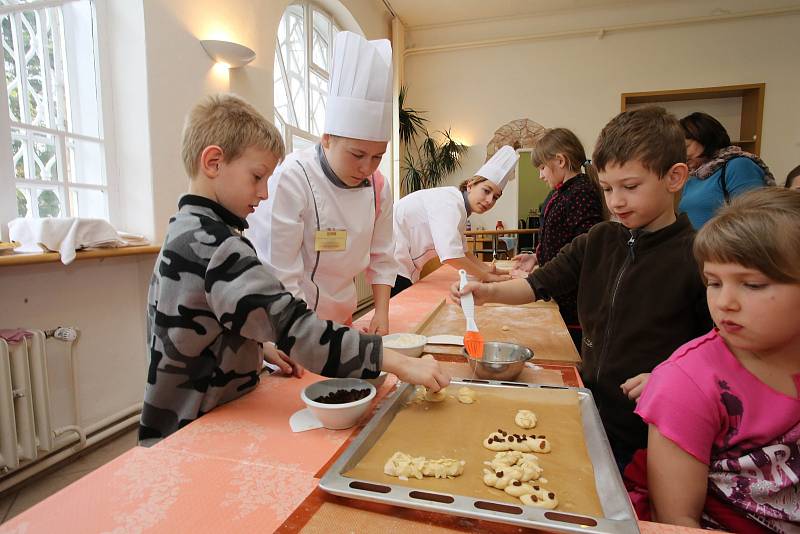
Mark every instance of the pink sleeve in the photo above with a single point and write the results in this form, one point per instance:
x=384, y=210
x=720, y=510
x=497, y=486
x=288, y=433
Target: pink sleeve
x=677, y=406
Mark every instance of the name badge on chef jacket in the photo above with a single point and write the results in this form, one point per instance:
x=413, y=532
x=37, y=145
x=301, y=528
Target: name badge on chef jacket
x=330, y=240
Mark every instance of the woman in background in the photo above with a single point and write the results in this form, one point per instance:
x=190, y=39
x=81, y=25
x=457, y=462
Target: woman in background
x=718, y=171
x=430, y=223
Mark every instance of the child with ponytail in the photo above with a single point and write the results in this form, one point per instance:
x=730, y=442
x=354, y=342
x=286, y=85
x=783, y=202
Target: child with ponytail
x=575, y=206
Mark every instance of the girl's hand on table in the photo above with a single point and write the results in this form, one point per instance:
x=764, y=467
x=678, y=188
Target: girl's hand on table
x=281, y=360
x=379, y=325
x=519, y=273
x=497, y=270
x=633, y=387
x=524, y=262
x=424, y=371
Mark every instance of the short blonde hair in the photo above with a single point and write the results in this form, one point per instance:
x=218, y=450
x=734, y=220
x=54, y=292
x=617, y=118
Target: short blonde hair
x=227, y=121
x=758, y=230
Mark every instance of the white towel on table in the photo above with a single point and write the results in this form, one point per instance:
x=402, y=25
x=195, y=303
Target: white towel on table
x=66, y=235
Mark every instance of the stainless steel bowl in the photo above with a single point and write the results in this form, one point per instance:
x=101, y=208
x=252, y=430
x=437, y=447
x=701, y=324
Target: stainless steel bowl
x=501, y=361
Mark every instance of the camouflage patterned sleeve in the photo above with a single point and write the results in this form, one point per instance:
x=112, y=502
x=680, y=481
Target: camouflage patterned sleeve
x=251, y=302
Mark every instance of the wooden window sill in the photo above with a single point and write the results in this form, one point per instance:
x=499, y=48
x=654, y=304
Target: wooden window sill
x=87, y=254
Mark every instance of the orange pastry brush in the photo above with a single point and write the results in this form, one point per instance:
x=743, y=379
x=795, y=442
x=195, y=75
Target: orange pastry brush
x=473, y=340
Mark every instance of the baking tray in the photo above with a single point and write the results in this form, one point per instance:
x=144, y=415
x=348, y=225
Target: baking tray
x=619, y=517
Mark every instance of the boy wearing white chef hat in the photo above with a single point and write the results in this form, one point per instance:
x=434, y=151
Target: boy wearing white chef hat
x=431, y=222
x=329, y=213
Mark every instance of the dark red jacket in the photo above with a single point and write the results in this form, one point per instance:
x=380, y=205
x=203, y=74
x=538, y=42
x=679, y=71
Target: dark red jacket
x=573, y=208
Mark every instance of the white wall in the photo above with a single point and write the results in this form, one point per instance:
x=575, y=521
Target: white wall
x=576, y=82
x=180, y=73
x=124, y=66
x=106, y=301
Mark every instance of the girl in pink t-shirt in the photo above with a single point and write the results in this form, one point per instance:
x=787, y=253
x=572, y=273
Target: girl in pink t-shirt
x=724, y=409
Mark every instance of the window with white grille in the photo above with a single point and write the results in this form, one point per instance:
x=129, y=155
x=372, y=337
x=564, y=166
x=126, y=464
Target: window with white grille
x=303, y=52
x=51, y=128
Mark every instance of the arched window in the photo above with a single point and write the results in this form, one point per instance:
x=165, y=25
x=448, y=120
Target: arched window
x=303, y=52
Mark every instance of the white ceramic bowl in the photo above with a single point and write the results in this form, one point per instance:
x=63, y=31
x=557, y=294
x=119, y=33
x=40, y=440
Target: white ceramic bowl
x=337, y=416
x=408, y=344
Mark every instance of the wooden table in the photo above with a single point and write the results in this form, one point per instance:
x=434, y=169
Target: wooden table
x=240, y=468
x=495, y=234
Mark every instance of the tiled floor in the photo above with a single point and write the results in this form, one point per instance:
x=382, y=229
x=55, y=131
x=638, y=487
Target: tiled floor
x=40, y=488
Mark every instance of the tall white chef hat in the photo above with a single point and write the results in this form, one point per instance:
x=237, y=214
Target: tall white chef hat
x=500, y=166
x=360, y=90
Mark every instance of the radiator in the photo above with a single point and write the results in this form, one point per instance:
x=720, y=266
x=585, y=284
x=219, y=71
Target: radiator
x=363, y=290
x=24, y=401
x=27, y=419
x=41, y=423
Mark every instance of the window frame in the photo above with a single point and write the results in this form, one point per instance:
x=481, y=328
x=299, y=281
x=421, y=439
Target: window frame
x=106, y=180
x=287, y=129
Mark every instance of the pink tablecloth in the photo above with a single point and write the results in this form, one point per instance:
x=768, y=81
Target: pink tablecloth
x=236, y=469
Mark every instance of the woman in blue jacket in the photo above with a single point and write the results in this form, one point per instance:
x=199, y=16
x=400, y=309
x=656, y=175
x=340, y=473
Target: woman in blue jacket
x=718, y=170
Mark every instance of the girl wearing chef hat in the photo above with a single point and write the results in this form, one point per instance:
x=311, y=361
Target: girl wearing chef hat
x=431, y=222
x=329, y=212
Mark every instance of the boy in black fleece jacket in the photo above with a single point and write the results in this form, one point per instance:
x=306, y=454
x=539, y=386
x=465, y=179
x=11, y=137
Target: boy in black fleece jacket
x=640, y=295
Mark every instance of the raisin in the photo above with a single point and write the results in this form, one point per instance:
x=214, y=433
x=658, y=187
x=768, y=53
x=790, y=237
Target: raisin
x=342, y=396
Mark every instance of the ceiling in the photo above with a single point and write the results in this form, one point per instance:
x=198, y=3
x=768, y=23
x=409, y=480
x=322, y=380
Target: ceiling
x=416, y=13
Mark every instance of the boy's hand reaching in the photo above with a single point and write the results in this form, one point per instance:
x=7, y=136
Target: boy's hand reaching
x=282, y=361
x=495, y=277
x=423, y=371
x=479, y=292
x=633, y=387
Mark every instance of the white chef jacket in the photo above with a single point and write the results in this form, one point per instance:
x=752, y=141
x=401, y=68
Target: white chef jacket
x=429, y=223
x=303, y=199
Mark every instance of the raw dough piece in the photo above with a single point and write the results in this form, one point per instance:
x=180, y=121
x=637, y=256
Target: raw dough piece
x=502, y=478
x=525, y=419
x=499, y=479
x=466, y=395
x=439, y=396
x=520, y=466
x=518, y=489
x=505, y=328
x=541, y=498
x=505, y=459
x=518, y=474
x=404, y=465
x=443, y=468
x=502, y=441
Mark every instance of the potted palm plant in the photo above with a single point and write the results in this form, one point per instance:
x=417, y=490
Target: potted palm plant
x=427, y=160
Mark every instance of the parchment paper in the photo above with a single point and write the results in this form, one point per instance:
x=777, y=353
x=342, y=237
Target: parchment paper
x=450, y=429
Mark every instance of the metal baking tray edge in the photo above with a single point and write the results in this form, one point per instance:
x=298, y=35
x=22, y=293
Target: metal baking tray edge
x=619, y=515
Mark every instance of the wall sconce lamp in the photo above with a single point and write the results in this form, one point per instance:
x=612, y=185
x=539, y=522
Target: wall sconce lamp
x=232, y=55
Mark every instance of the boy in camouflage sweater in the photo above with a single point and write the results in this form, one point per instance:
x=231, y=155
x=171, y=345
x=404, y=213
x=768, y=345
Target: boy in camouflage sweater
x=212, y=303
